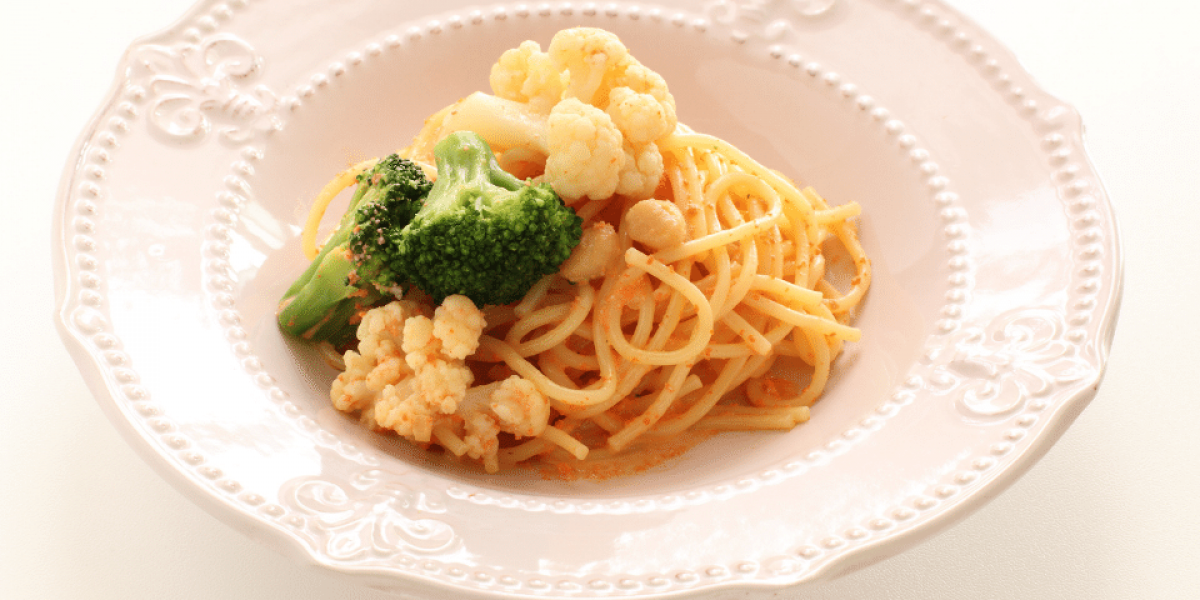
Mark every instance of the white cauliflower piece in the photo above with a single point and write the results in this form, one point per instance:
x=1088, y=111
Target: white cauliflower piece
x=409, y=376
x=641, y=171
x=597, y=64
x=643, y=80
x=400, y=410
x=586, y=151
x=439, y=380
x=526, y=74
x=537, y=113
x=442, y=384
x=457, y=323
x=520, y=407
x=590, y=57
x=513, y=405
x=379, y=360
x=602, y=73
x=482, y=435
x=417, y=342
x=640, y=116
x=642, y=119
x=404, y=376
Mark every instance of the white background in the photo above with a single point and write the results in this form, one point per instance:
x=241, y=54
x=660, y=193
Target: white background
x=1110, y=513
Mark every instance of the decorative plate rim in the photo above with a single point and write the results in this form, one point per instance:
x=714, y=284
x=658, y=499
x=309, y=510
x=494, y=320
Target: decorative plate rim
x=109, y=374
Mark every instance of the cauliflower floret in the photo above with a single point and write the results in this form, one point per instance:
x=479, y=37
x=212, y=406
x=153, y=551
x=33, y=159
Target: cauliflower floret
x=599, y=247
x=542, y=115
x=382, y=326
x=350, y=391
x=641, y=117
x=417, y=342
x=458, y=324
x=513, y=405
x=528, y=75
x=438, y=379
x=602, y=73
x=409, y=376
x=658, y=224
x=644, y=80
x=522, y=409
x=586, y=151
x=398, y=409
x=641, y=171
x=442, y=384
x=402, y=378
x=590, y=57
x=379, y=360
x=482, y=433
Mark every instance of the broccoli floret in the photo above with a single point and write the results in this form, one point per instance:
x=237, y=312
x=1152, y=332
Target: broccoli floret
x=481, y=232
x=357, y=262
x=399, y=187
x=478, y=231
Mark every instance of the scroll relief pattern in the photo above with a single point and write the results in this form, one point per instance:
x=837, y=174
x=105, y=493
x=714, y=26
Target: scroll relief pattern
x=771, y=21
x=370, y=518
x=195, y=89
x=996, y=371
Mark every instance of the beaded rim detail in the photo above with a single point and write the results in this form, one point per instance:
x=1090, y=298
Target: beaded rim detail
x=84, y=313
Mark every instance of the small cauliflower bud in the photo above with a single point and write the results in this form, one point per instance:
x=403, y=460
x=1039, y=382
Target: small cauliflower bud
x=442, y=384
x=528, y=75
x=457, y=323
x=643, y=80
x=642, y=118
x=586, y=151
x=400, y=380
x=596, y=63
x=398, y=409
x=599, y=247
x=641, y=172
x=379, y=360
x=589, y=56
x=430, y=386
x=482, y=437
x=389, y=369
x=382, y=328
x=521, y=408
x=418, y=343
x=658, y=224
x=350, y=391
x=440, y=380
x=513, y=405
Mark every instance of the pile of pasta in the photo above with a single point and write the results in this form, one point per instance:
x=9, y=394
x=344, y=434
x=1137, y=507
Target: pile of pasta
x=681, y=302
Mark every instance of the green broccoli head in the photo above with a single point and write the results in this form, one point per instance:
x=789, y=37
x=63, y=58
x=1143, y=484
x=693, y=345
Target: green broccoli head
x=357, y=261
x=481, y=232
x=396, y=189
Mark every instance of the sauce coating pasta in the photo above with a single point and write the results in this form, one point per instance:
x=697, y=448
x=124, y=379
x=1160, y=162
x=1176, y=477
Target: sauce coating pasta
x=699, y=272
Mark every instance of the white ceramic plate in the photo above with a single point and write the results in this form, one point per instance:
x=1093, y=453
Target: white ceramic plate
x=997, y=283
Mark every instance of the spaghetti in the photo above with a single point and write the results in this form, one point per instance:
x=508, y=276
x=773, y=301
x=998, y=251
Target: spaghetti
x=667, y=340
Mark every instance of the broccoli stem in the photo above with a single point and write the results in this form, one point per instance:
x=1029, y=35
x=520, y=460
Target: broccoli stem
x=467, y=173
x=321, y=303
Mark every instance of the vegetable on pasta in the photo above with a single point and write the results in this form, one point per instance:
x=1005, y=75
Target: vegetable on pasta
x=701, y=293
